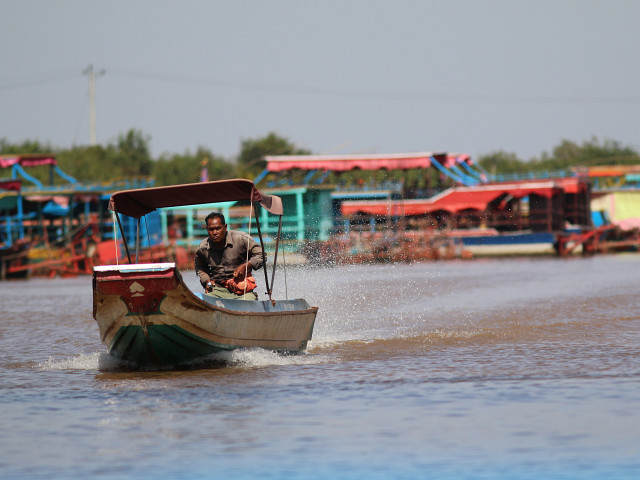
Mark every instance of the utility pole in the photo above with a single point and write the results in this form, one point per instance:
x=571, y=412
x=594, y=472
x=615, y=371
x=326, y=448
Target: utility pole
x=92, y=101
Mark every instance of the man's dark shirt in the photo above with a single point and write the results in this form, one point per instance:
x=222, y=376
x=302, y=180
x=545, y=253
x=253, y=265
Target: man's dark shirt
x=217, y=265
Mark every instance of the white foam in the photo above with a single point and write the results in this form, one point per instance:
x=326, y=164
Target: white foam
x=257, y=357
x=90, y=361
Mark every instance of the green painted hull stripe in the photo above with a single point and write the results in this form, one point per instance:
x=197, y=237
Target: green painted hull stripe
x=163, y=344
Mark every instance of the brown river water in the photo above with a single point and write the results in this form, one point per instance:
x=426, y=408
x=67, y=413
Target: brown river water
x=499, y=368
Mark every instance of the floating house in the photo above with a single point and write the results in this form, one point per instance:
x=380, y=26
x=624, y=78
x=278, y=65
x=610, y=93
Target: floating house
x=367, y=235
x=516, y=217
x=616, y=197
x=372, y=213
x=57, y=226
x=525, y=216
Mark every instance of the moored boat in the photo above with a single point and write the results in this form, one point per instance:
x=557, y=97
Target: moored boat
x=14, y=260
x=146, y=313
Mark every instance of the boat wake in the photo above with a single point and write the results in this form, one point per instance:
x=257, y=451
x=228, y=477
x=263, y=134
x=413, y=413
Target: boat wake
x=243, y=358
x=257, y=357
x=91, y=361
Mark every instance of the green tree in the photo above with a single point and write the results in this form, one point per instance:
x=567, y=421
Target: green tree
x=565, y=156
x=131, y=157
x=128, y=158
x=592, y=152
x=88, y=163
x=187, y=167
x=502, y=162
x=252, y=152
x=26, y=147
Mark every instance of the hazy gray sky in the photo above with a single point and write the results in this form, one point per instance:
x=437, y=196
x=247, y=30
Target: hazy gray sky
x=345, y=76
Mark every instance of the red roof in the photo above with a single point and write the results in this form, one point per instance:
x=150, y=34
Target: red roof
x=342, y=163
x=450, y=201
x=462, y=198
x=571, y=184
x=27, y=160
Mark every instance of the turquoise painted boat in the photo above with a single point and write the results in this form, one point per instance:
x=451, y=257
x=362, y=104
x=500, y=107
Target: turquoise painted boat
x=146, y=314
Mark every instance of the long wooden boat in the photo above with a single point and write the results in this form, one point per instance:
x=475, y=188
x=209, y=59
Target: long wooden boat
x=146, y=313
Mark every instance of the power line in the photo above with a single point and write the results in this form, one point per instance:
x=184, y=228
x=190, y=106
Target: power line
x=407, y=96
x=338, y=92
x=37, y=79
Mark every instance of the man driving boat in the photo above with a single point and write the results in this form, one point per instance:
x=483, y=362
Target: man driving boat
x=225, y=259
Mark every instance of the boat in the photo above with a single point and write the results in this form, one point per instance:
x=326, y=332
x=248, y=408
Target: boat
x=146, y=314
x=14, y=260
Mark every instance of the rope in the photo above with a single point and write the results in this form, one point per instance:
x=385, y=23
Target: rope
x=124, y=238
x=275, y=258
x=146, y=224
x=248, y=238
x=137, y=239
x=284, y=264
x=264, y=256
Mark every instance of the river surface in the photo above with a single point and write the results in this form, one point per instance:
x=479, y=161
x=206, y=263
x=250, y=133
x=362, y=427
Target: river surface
x=483, y=369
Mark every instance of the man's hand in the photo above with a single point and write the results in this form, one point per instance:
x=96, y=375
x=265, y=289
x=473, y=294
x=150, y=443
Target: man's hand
x=239, y=272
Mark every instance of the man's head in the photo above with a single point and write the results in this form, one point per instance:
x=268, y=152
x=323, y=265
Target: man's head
x=216, y=228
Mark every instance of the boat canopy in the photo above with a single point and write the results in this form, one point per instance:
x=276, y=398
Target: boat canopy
x=7, y=161
x=139, y=202
x=446, y=162
x=458, y=199
x=343, y=163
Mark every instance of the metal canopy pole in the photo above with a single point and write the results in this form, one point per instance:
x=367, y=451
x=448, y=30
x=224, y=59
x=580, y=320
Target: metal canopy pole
x=137, y=239
x=264, y=255
x=275, y=256
x=124, y=238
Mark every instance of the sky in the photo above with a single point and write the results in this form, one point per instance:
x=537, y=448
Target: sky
x=333, y=77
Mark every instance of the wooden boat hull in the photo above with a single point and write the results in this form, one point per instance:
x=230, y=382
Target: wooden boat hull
x=147, y=315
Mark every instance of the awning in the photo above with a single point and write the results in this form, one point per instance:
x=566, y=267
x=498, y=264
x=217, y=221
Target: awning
x=136, y=203
x=457, y=199
x=7, y=161
x=344, y=163
x=613, y=170
x=12, y=184
x=571, y=185
x=450, y=201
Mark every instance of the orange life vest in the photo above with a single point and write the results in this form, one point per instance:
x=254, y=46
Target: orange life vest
x=239, y=288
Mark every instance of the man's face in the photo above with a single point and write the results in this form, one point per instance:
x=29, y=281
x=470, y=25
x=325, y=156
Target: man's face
x=217, y=231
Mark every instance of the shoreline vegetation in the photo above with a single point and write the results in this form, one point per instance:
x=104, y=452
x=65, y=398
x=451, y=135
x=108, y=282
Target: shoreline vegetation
x=130, y=156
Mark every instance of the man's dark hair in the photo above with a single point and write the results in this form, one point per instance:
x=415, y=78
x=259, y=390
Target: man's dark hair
x=214, y=215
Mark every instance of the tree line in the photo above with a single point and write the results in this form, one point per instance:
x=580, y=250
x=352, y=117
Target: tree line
x=565, y=156
x=129, y=157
